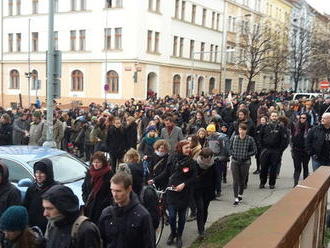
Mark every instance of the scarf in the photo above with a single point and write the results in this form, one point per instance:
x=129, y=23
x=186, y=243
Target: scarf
x=97, y=178
x=205, y=163
x=51, y=224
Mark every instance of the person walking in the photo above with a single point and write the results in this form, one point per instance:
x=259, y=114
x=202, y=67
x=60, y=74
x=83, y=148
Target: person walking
x=5, y=130
x=126, y=223
x=38, y=130
x=20, y=129
x=44, y=180
x=96, y=192
x=171, y=133
x=66, y=228
x=242, y=147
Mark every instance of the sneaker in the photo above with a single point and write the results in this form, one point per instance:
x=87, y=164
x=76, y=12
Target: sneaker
x=235, y=204
x=272, y=186
x=179, y=242
x=170, y=239
x=240, y=198
x=261, y=186
x=256, y=172
x=201, y=236
x=218, y=194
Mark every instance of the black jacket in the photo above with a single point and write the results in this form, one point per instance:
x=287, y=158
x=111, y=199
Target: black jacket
x=316, y=143
x=117, y=141
x=9, y=194
x=179, y=169
x=5, y=134
x=298, y=137
x=137, y=172
x=94, y=206
x=127, y=227
x=131, y=132
x=33, y=201
x=205, y=182
x=157, y=165
x=274, y=136
x=228, y=115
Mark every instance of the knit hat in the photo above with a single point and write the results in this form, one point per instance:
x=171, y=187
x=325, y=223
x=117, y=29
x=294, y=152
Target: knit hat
x=37, y=114
x=151, y=128
x=211, y=128
x=15, y=218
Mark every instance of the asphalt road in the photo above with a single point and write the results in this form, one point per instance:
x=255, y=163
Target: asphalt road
x=253, y=197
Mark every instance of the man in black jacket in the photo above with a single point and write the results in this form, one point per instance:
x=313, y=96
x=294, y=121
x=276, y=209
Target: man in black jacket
x=44, y=180
x=127, y=223
x=9, y=194
x=62, y=211
x=318, y=143
x=274, y=140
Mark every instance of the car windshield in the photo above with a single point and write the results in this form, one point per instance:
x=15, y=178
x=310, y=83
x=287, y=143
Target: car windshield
x=66, y=168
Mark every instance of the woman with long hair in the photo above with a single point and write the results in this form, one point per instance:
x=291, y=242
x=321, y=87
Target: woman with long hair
x=96, y=191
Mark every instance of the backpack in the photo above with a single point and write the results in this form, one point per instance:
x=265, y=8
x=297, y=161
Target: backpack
x=149, y=199
x=124, y=168
x=76, y=226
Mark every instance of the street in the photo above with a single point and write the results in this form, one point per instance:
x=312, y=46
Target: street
x=253, y=197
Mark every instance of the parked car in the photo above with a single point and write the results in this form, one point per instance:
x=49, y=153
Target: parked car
x=68, y=170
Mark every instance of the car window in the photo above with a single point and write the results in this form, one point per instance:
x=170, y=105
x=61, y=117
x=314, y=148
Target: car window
x=16, y=170
x=67, y=169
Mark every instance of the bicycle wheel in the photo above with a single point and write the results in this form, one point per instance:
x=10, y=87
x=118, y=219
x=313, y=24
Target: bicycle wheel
x=159, y=230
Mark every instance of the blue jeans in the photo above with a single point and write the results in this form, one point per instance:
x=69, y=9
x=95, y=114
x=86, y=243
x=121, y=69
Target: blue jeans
x=181, y=213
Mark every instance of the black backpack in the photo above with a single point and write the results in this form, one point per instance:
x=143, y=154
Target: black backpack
x=149, y=199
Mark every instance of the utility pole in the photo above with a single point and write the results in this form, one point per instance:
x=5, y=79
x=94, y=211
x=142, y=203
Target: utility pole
x=50, y=76
x=29, y=74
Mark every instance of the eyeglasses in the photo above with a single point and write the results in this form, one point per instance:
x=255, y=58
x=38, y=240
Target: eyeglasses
x=303, y=118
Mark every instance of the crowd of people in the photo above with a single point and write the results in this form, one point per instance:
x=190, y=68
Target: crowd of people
x=179, y=145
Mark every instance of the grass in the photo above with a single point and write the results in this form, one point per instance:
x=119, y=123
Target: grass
x=225, y=229
x=327, y=237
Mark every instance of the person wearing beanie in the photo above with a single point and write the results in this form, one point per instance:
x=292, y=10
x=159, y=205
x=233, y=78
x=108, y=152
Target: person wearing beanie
x=147, y=142
x=14, y=225
x=9, y=194
x=44, y=180
x=61, y=208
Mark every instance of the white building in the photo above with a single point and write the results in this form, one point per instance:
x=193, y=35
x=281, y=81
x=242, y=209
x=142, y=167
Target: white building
x=134, y=46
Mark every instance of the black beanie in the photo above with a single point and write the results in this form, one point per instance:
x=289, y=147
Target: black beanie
x=63, y=198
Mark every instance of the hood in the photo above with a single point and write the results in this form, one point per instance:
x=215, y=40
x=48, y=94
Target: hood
x=46, y=166
x=4, y=173
x=63, y=198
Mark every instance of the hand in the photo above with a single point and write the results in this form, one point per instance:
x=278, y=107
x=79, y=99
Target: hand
x=98, y=140
x=180, y=187
x=151, y=182
x=145, y=157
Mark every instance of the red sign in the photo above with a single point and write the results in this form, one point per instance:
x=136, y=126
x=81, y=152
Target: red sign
x=324, y=85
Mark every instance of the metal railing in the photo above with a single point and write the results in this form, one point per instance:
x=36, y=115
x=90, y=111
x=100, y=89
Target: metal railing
x=296, y=221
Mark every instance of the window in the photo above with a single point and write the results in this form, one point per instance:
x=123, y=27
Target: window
x=14, y=79
x=56, y=40
x=119, y=3
x=211, y=86
x=149, y=41
x=73, y=5
x=175, y=46
x=233, y=28
x=10, y=43
x=183, y=10
x=35, y=6
x=217, y=22
x=216, y=53
x=118, y=34
x=34, y=76
x=202, y=50
x=82, y=40
x=16, y=171
x=192, y=48
x=229, y=23
x=204, y=17
x=211, y=53
x=156, y=42
x=82, y=4
x=113, y=81
x=108, y=3
x=77, y=78
x=177, y=3
x=18, y=7
x=158, y=6
x=73, y=40
x=10, y=7
x=107, y=38
x=193, y=14
x=176, y=85
x=213, y=19
x=56, y=6
x=35, y=41
x=150, y=5
x=181, y=47
x=18, y=42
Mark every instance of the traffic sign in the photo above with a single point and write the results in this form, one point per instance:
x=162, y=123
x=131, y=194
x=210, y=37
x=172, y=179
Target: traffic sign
x=324, y=85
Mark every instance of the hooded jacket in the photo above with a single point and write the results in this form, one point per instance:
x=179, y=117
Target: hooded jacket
x=9, y=194
x=33, y=201
x=58, y=234
x=128, y=226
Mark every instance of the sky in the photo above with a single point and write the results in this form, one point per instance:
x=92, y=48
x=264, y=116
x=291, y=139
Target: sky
x=323, y=6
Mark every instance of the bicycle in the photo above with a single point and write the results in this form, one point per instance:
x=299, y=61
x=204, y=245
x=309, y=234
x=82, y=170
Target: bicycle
x=161, y=206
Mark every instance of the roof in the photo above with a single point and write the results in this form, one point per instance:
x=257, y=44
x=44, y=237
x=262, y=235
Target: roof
x=28, y=153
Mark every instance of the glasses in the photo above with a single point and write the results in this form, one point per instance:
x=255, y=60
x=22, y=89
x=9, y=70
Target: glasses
x=304, y=118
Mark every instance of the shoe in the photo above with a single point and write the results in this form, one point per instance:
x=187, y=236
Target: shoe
x=218, y=193
x=256, y=172
x=224, y=180
x=240, y=198
x=201, y=236
x=261, y=186
x=235, y=204
x=170, y=239
x=179, y=242
x=245, y=186
x=272, y=186
x=191, y=217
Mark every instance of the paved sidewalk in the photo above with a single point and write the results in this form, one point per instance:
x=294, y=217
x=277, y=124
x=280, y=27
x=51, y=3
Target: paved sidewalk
x=253, y=197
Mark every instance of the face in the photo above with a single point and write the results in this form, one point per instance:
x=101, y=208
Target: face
x=168, y=123
x=199, y=116
x=186, y=149
x=224, y=129
x=263, y=121
x=161, y=149
x=120, y=194
x=2, y=120
x=11, y=235
x=274, y=116
x=152, y=133
x=35, y=119
x=50, y=211
x=24, y=117
x=117, y=123
x=326, y=119
x=40, y=177
x=214, y=112
x=241, y=115
x=271, y=108
x=242, y=132
x=303, y=118
x=97, y=164
x=201, y=135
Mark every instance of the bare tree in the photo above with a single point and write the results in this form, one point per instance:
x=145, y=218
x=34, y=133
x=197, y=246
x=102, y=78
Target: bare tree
x=256, y=43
